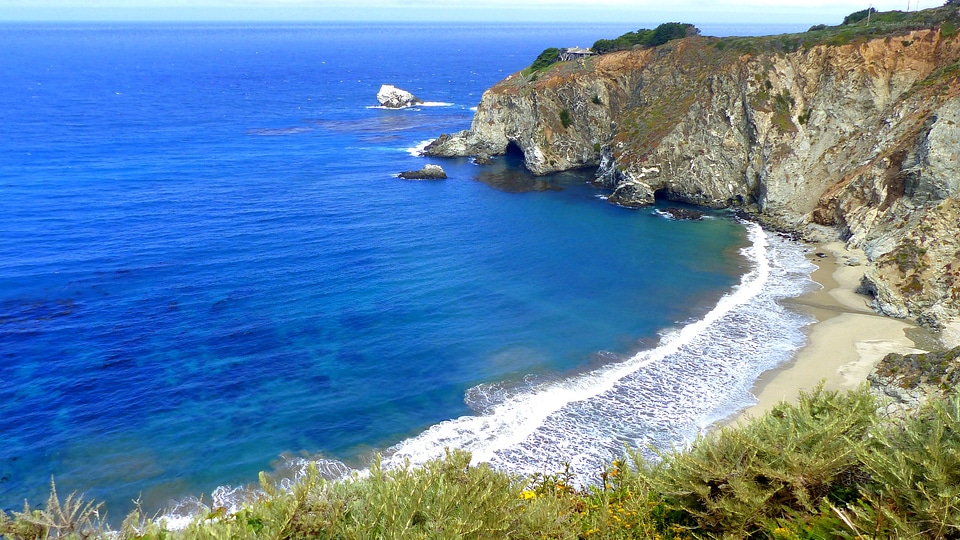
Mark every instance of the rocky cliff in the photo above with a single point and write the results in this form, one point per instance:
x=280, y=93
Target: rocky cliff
x=854, y=136
x=905, y=382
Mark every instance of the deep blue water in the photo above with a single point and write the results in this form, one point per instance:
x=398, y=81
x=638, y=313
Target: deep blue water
x=206, y=262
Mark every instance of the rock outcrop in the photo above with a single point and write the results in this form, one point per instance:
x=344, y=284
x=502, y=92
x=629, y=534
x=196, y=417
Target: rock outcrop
x=394, y=98
x=428, y=172
x=859, y=140
x=905, y=382
x=683, y=214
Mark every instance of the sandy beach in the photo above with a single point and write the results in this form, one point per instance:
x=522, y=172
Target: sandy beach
x=847, y=340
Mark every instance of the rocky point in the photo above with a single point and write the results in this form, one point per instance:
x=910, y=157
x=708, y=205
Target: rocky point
x=857, y=140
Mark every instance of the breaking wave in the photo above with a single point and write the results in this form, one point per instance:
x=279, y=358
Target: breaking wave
x=699, y=373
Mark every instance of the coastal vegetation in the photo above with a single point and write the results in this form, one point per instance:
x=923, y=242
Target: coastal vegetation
x=646, y=38
x=857, y=27
x=547, y=58
x=828, y=467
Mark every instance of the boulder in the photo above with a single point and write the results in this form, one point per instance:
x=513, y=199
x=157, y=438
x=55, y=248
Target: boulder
x=428, y=172
x=482, y=159
x=394, y=98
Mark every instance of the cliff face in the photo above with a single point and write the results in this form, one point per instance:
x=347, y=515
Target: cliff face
x=862, y=138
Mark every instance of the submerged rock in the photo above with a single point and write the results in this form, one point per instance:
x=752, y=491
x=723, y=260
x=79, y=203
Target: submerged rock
x=515, y=181
x=394, y=98
x=482, y=159
x=688, y=214
x=428, y=172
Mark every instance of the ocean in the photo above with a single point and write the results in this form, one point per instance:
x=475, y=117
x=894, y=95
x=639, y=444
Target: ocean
x=208, y=268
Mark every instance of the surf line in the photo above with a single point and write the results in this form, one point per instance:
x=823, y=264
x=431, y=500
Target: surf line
x=510, y=422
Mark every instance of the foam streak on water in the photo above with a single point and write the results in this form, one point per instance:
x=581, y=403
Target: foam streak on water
x=660, y=397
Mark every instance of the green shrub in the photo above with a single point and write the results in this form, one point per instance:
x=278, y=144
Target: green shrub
x=565, y=118
x=669, y=32
x=858, y=16
x=915, y=470
x=948, y=29
x=826, y=467
x=73, y=517
x=445, y=498
x=736, y=481
x=646, y=38
x=546, y=59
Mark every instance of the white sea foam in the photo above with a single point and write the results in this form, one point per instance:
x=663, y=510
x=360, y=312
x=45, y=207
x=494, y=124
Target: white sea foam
x=663, y=397
x=417, y=150
x=231, y=499
x=412, y=107
x=699, y=373
x=667, y=215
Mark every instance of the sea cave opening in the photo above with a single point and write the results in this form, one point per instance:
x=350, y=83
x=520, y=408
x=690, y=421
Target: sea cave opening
x=511, y=174
x=514, y=156
x=666, y=195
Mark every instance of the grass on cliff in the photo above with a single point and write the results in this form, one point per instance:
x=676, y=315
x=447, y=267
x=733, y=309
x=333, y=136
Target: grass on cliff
x=827, y=467
x=641, y=38
x=856, y=28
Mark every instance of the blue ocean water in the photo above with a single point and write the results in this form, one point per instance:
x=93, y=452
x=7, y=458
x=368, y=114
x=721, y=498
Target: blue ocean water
x=207, y=266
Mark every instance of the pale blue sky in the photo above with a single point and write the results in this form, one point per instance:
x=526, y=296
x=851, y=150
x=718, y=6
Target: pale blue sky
x=696, y=11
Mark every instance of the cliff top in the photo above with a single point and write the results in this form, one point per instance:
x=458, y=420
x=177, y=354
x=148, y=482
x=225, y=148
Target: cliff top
x=856, y=28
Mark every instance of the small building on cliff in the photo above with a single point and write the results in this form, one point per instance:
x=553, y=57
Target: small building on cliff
x=574, y=53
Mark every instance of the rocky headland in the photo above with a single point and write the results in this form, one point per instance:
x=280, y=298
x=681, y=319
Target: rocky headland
x=840, y=132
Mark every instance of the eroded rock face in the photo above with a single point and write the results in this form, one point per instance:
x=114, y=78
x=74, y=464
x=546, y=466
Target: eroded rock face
x=394, y=98
x=904, y=382
x=862, y=139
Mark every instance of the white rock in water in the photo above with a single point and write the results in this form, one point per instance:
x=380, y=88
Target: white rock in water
x=394, y=98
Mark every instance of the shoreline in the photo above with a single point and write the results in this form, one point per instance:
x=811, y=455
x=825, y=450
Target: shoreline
x=845, y=342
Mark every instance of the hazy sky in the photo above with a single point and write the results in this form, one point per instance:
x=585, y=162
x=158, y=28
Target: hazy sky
x=695, y=11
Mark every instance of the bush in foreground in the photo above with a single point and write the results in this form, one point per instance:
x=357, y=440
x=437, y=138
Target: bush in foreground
x=824, y=468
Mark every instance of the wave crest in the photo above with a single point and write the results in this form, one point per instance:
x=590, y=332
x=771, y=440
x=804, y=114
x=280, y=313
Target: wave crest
x=662, y=397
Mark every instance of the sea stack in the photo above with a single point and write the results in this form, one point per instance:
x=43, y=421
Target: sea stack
x=392, y=97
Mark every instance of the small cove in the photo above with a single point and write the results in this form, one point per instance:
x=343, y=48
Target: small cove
x=209, y=263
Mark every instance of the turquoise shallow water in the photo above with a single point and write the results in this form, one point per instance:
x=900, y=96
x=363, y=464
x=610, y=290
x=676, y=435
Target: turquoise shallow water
x=207, y=262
